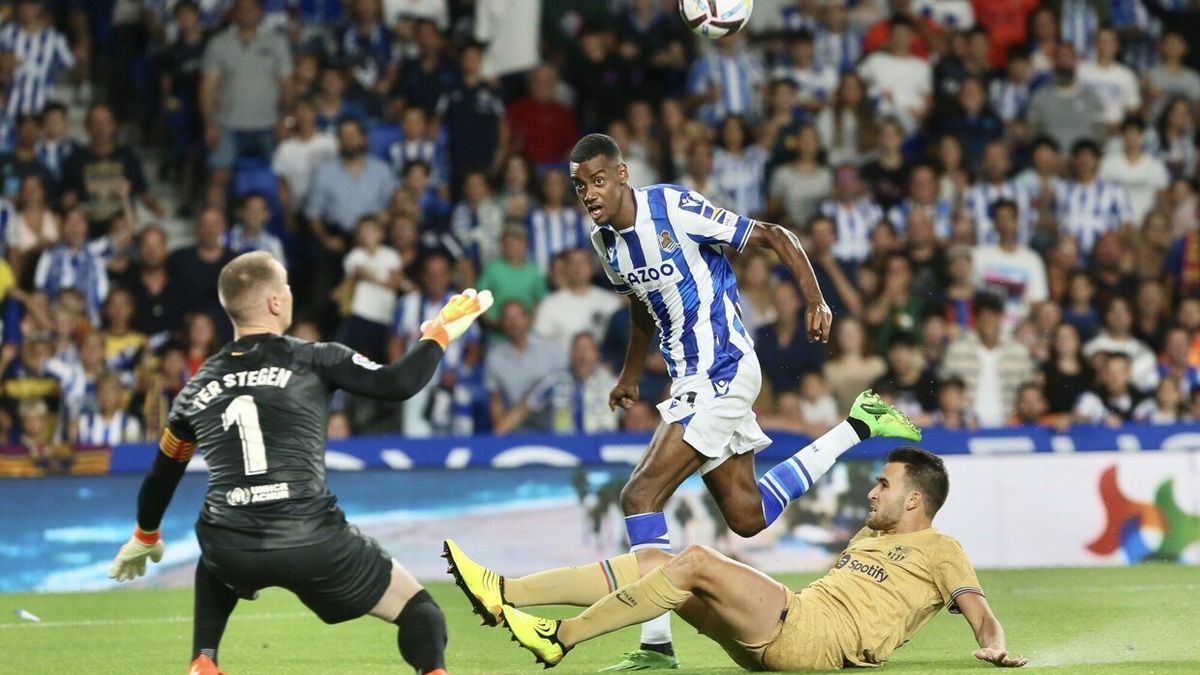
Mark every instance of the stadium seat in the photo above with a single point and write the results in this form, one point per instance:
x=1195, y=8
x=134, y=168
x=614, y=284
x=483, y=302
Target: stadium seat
x=380, y=139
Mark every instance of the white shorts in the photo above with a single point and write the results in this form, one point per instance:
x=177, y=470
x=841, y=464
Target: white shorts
x=718, y=425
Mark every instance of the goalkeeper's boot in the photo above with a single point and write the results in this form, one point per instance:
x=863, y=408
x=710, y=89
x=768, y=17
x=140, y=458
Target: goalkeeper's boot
x=536, y=634
x=483, y=587
x=884, y=420
x=644, y=659
x=202, y=665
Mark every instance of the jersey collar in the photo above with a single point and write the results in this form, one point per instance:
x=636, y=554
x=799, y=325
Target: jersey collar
x=633, y=192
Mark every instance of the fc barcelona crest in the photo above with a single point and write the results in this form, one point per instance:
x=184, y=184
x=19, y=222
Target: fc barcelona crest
x=666, y=243
x=900, y=552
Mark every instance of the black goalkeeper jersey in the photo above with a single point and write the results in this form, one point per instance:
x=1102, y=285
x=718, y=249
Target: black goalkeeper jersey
x=257, y=410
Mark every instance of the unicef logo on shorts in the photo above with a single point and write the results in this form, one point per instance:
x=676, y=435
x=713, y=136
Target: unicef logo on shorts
x=238, y=496
x=842, y=561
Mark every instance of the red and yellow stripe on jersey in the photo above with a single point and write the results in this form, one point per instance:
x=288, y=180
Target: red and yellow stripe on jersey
x=175, y=447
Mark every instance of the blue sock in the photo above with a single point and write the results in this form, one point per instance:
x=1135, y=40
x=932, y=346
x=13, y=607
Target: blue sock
x=649, y=530
x=794, y=476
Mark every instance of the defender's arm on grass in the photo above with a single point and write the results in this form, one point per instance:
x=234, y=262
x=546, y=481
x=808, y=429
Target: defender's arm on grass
x=988, y=631
x=818, y=317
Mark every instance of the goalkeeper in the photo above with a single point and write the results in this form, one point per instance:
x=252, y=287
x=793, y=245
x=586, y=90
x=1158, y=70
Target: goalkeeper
x=258, y=408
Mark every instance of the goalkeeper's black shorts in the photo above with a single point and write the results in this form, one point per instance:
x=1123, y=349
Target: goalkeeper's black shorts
x=339, y=579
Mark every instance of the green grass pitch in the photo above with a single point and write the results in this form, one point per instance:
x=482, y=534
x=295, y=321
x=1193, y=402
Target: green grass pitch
x=1136, y=620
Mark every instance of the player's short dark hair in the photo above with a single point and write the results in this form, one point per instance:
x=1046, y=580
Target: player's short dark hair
x=1026, y=386
x=924, y=472
x=251, y=195
x=417, y=163
x=1085, y=145
x=53, y=107
x=802, y=35
x=1132, y=121
x=986, y=301
x=1003, y=203
x=952, y=382
x=242, y=276
x=351, y=120
x=903, y=338
x=1019, y=53
x=1044, y=141
x=595, y=145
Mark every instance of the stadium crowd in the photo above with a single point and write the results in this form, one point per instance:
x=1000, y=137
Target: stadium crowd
x=999, y=198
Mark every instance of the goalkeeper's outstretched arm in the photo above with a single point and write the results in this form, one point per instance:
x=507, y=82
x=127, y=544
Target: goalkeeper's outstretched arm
x=345, y=369
x=158, y=487
x=988, y=631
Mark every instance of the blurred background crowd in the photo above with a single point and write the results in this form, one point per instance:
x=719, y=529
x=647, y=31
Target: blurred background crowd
x=999, y=198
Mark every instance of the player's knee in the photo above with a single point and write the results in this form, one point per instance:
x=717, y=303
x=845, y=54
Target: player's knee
x=638, y=496
x=650, y=559
x=746, y=522
x=422, y=637
x=687, y=568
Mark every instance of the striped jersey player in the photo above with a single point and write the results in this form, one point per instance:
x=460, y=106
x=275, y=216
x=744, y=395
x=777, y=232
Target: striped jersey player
x=666, y=245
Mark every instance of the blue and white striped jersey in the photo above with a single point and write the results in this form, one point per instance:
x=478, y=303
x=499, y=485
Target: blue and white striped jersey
x=212, y=13
x=742, y=177
x=433, y=153
x=673, y=260
x=239, y=241
x=815, y=84
x=54, y=154
x=1088, y=210
x=839, y=51
x=1079, y=23
x=1009, y=99
x=737, y=77
x=1139, y=48
x=940, y=212
x=40, y=56
x=796, y=19
x=120, y=428
x=553, y=231
x=855, y=223
x=978, y=200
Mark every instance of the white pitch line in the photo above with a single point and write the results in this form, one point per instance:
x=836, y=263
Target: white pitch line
x=126, y=622
x=1130, y=588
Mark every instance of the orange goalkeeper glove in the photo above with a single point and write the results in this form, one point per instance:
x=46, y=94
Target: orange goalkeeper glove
x=130, y=562
x=456, y=317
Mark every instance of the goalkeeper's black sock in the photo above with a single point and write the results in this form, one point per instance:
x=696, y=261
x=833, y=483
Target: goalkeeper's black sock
x=213, y=604
x=422, y=636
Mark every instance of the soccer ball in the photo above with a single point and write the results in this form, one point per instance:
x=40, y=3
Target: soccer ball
x=715, y=18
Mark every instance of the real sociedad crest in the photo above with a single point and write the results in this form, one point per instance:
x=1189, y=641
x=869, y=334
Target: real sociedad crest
x=666, y=243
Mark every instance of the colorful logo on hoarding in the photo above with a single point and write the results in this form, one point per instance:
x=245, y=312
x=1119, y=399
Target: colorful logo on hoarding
x=1158, y=531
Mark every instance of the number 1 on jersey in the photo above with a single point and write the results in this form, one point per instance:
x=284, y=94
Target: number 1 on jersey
x=243, y=412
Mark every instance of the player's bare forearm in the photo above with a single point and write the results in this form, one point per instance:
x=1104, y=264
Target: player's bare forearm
x=158, y=487
x=787, y=246
x=989, y=634
x=818, y=317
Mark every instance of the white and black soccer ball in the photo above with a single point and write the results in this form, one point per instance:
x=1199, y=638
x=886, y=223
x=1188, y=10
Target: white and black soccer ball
x=715, y=18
